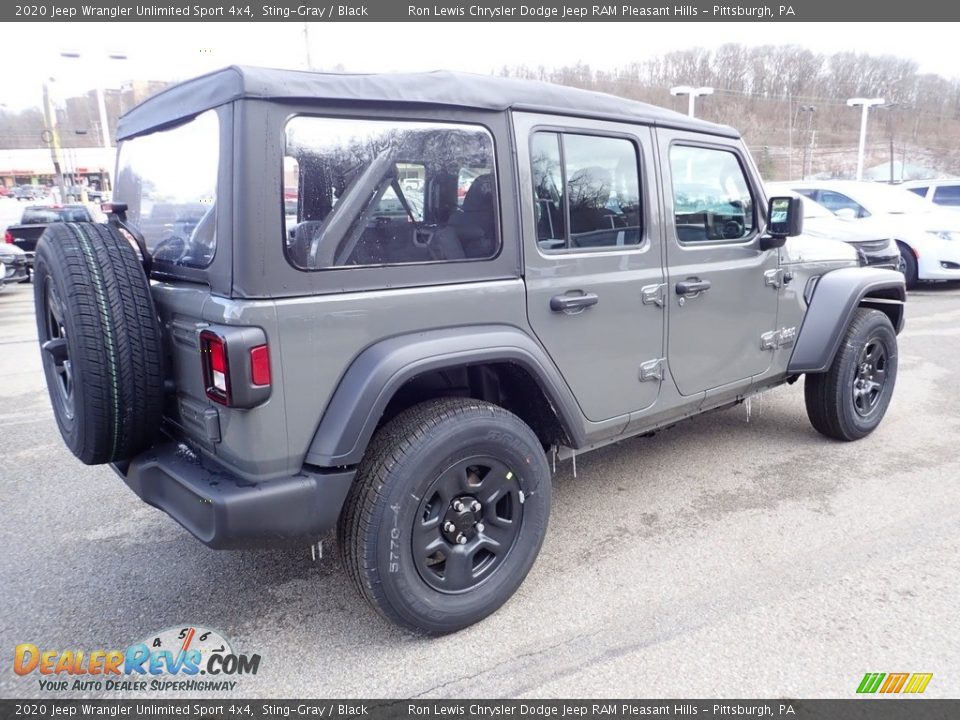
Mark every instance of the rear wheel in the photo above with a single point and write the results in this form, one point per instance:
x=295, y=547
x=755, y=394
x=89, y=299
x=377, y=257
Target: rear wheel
x=99, y=340
x=908, y=265
x=447, y=514
x=849, y=400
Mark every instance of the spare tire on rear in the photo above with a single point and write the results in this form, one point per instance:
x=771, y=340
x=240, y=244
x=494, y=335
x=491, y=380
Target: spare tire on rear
x=100, y=341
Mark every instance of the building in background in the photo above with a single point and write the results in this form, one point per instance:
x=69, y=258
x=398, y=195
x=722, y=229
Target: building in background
x=25, y=155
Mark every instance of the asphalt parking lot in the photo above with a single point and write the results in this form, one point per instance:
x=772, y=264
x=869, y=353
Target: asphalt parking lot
x=721, y=558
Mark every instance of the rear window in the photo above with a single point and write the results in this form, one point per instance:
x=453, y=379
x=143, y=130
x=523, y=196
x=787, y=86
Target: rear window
x=368, y=193
x=44, y=215
x=947, y=195
x=169, y=181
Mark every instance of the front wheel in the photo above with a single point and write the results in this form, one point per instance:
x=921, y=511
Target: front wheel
x=908, y=266
x=849, y=400
x=447, y=514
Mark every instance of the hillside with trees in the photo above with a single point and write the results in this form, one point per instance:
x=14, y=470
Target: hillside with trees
x=767, y=92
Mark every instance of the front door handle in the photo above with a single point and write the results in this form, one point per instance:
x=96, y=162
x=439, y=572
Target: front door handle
x=691, y=287
x=573, y=303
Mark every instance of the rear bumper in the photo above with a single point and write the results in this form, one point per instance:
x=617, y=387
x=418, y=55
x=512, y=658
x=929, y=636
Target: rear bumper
x=223, y=511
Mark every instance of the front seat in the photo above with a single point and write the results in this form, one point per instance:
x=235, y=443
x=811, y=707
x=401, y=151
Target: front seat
x=476, y=221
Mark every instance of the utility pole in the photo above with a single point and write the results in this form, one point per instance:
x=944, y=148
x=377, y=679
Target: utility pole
x=803, y=163
x=306, y=45
x=52, y=136
x=692, y=94
x=789, y=135
x=865, y=104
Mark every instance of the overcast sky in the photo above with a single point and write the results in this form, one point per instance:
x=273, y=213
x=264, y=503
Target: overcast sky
x=169, y=51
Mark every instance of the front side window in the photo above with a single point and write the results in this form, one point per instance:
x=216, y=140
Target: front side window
x=168, y=180
x=367, y=193
x=921, y=191
x=842, y=205
x=711, y=196
x=586, y=191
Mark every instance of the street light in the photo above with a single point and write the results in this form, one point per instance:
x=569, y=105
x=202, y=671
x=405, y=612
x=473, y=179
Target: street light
x=692, y=92
x=865, y=104
x=101, y=107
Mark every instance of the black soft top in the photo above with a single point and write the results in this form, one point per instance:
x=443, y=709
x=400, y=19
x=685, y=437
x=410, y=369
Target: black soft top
x=438, y=89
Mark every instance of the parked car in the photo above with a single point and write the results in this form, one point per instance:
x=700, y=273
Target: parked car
x=928, y=237
x=25, y=192
x=942, y=193
x=35, y=220
x=408, y=380
x=15, y=264
x=818, y=222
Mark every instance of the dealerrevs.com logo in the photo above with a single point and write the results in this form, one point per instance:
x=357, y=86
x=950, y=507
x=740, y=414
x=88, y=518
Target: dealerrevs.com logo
x=185, y=659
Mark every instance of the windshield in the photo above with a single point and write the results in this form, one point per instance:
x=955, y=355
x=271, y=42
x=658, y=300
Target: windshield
x=169, y=181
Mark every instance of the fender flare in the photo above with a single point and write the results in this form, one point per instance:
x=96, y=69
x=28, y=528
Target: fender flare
x=836, y=297
x=378, y=372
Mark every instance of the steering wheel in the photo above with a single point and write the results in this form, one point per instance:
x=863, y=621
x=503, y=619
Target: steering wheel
x=172, y=249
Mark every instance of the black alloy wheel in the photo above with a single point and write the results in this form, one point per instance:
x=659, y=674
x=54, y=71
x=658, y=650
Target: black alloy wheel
x=467, y=524
x=871, y=377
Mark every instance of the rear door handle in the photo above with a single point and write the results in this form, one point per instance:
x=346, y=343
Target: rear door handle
x=689, y=287
x=573, y=303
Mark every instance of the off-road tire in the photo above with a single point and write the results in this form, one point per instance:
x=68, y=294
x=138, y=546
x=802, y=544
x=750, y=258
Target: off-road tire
x=113, y=341
x=909, y=266
x=405, y=461
x=830, y=395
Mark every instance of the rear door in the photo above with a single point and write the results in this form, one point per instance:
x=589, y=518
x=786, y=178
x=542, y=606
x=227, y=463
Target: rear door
x=722, y=287
x=592, y=255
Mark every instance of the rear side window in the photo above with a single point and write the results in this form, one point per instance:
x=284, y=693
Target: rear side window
x=586, y=191
x=947, y=195
x=42, y=215
x=169, y=181
x=711, y=197
x=367, y=193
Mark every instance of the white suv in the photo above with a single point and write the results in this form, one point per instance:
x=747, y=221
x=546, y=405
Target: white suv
x=942, y=193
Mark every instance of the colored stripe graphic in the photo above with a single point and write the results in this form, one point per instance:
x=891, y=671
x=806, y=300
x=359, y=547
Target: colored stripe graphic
x=870, y=682
x=894, y=682
x=918, y=682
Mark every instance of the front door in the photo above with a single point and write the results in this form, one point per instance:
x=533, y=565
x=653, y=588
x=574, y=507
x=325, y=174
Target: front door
x=722, y=287
x=592, y=255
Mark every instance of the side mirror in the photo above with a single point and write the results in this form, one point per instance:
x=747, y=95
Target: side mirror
x=846, y=213
x=784, y=219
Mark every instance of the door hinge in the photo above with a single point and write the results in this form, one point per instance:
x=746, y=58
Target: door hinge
x=652, y=370
x=774, y=339
x=654, y=294
x=773, y=278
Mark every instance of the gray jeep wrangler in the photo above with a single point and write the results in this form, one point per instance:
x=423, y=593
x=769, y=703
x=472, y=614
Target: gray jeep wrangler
x=381, y=303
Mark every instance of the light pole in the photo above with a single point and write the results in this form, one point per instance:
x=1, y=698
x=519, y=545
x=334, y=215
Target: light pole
x=692, y=93
x=102, y=110
x=865, y=104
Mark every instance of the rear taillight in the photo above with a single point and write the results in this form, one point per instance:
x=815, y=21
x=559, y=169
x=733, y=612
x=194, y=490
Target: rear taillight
x=260, y=365
x=236, y=365
x=8, y=237
x=216, y=368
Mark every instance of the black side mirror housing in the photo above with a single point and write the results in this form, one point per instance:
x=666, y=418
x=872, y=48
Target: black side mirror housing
x=784, y=219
